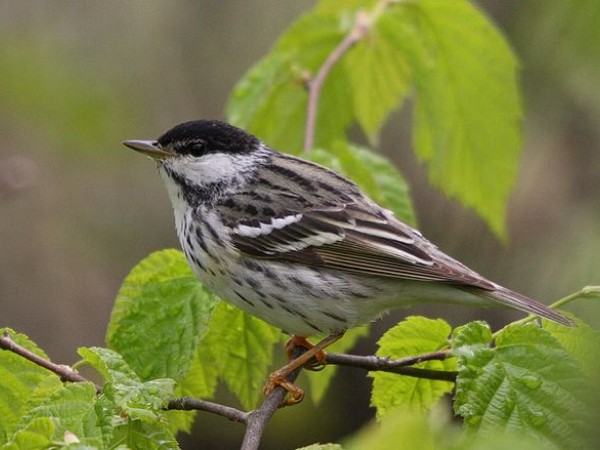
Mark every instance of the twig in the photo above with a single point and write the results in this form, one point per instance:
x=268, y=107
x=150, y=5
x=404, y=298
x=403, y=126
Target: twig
x=257, y=419
x=400, y=366
x=189, y=404
x=64, y=372
x=358, y=31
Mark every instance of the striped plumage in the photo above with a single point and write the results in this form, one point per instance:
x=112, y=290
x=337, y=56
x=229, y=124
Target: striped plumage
x=299, y=245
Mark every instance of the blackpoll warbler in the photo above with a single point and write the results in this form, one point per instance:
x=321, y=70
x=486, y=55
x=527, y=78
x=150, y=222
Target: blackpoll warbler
x=298, y=245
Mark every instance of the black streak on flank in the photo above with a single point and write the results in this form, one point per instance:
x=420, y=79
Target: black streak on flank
x=212, y=231
x=334, y=317
x=244, y=298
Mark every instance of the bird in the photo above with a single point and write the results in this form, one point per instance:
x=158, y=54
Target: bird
x=300, y=246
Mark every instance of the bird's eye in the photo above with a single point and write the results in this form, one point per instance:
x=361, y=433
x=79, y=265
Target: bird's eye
x=198, y=148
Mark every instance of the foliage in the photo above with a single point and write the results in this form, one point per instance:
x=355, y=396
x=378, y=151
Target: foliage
x=413, y=336
x=170, y=337
x=447, y=54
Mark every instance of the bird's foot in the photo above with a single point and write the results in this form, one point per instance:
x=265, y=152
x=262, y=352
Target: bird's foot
x=278, y=378
x=307, y=359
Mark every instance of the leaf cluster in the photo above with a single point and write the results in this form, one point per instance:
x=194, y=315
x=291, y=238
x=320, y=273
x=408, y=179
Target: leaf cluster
x=530, y=379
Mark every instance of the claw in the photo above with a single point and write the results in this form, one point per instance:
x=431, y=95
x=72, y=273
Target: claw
x=296, y=394
x=313, y=359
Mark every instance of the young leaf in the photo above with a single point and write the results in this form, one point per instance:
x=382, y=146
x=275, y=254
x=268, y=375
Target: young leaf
x=131, y=396
x=18, y=379
x=411, y=337
x=147, y=436
x=200, y=382
x=468, y=109
x=373, y=173
x=527, y=384
x=407, y=426
x=240, y=347
x=72, y=408
x=270, y=101
x=35, y=435
x=582, y=342
x=323, y=447
x=379, y=77
x=160, y=313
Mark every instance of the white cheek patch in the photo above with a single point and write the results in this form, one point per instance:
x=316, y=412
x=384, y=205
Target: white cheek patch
x=205, y=170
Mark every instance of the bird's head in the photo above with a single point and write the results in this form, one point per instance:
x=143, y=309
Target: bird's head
x=203, y=156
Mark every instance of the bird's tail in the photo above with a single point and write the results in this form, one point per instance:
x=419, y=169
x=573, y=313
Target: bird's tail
x=518, y=301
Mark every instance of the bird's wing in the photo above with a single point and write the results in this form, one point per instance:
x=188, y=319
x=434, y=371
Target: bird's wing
x=358, y=238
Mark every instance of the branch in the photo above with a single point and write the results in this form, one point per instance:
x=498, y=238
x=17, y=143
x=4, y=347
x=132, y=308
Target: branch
x=189, y=404
x=400, y=366
x=257, y=419
x=358, y=31
x=64, y=372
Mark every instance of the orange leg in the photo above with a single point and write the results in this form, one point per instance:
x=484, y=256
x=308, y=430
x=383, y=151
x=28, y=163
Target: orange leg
x=316, y=363
x=313, y=352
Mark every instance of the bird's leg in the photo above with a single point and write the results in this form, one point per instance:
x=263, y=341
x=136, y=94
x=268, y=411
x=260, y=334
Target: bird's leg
x=278, y=378
x=316, y=363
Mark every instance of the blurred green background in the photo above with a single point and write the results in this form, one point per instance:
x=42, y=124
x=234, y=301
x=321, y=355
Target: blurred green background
x=78, y=210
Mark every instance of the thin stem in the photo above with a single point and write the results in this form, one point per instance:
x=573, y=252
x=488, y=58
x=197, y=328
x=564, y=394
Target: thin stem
x=363, y=22
x=359, y=29
x=400, y=366
x=64, y=372
x=189, y=404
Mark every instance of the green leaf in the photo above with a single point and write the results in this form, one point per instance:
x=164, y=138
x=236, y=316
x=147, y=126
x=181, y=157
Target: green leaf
x=35, y=435
x=240, y=347
x=379, y=77
x=406, y=426
x=581, y=341
x=160, y=313
x=320, y=381
x=527, y=384
x=373, y=173
x=323, y=447
x=18, y=379
x=143, y=400
x=73, y=410
x=147, y=436
x=473, y=333
x=468, y=109
x=411, y=337
x=270, y=101
x=200, y=382
x=433, y=431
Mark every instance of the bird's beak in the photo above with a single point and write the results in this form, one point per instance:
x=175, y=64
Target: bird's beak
x=149, y=148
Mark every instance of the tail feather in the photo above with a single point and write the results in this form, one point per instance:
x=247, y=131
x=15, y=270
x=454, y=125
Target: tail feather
x=521, y=302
